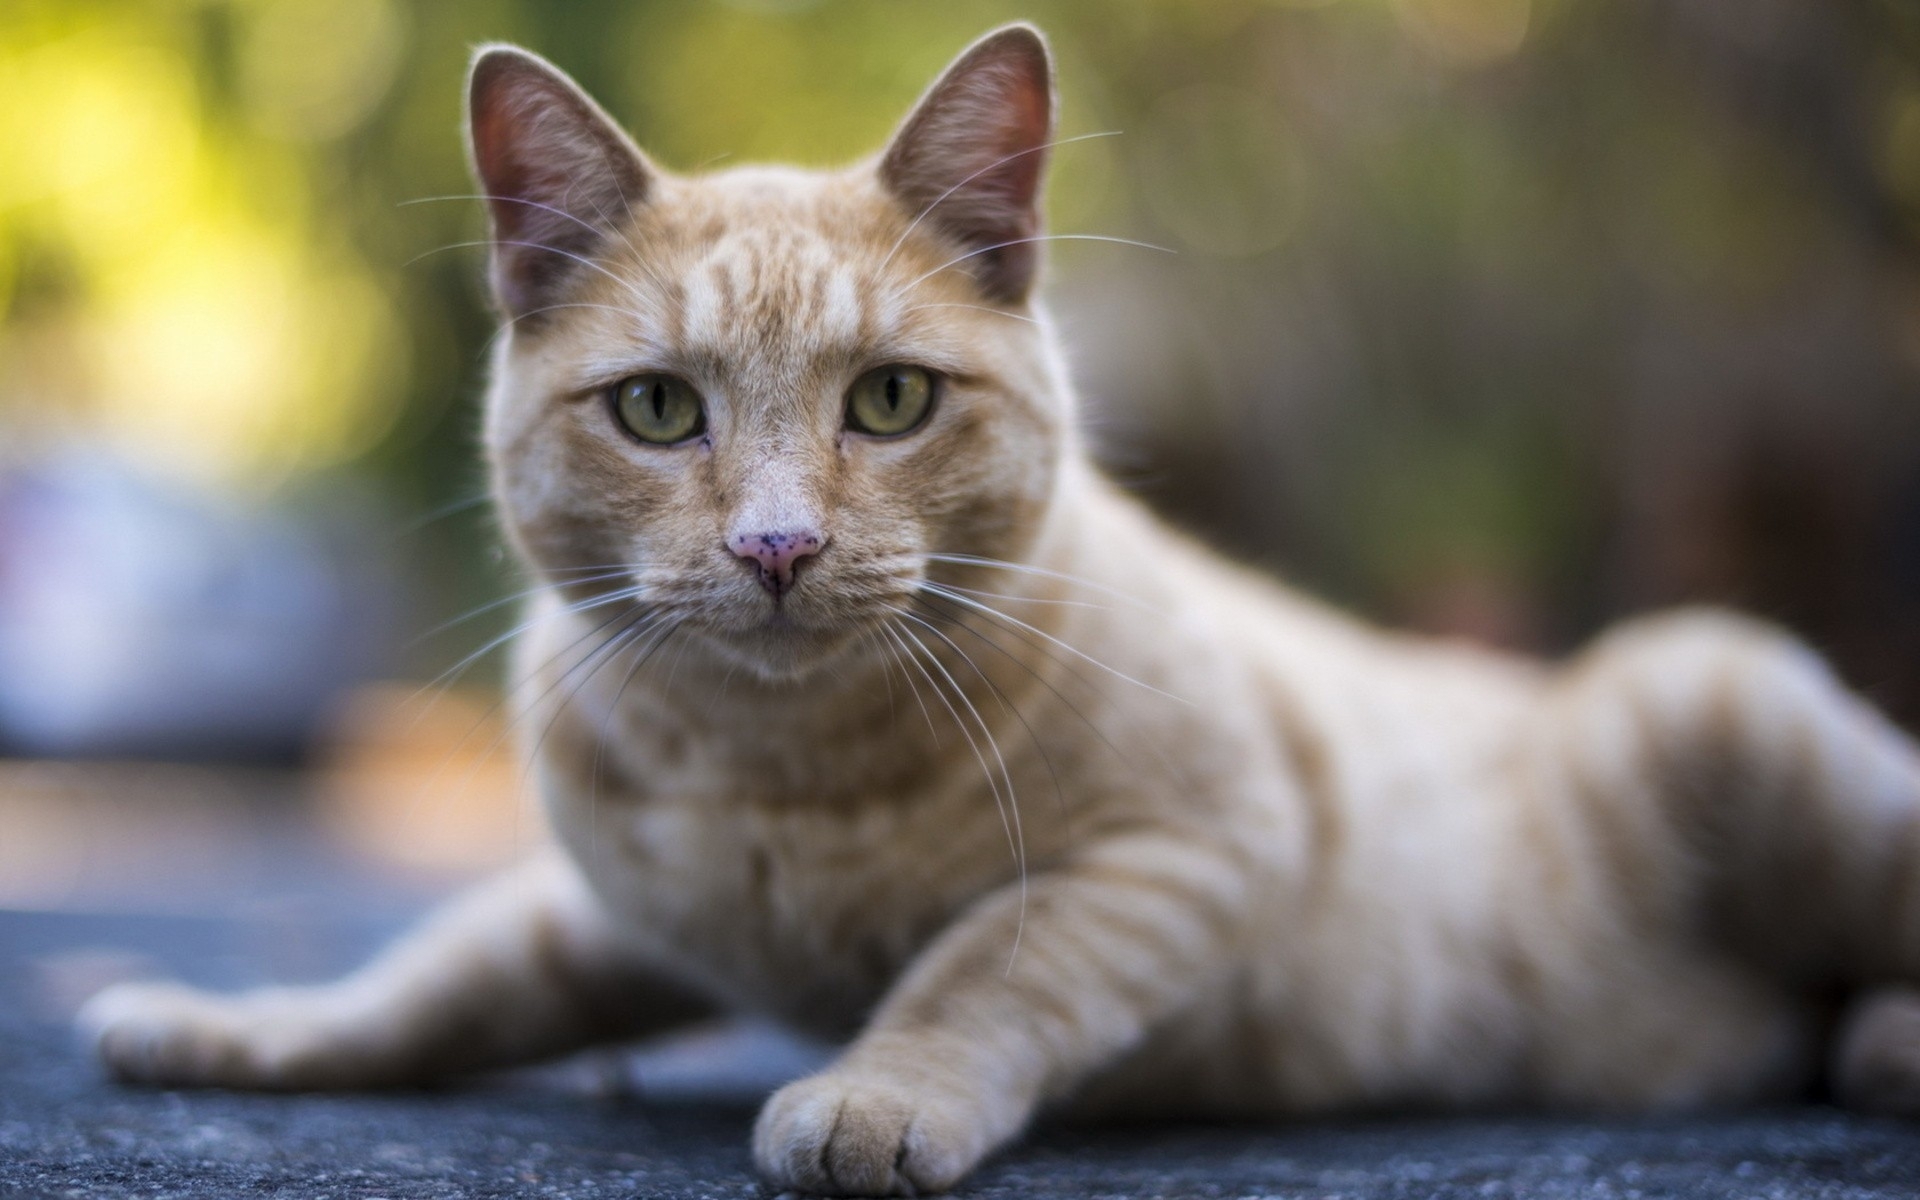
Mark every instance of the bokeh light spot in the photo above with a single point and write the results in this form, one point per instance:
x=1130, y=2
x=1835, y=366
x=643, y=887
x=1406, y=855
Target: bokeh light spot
x=317, y=68
x=1238, y=142
x=1470, y=32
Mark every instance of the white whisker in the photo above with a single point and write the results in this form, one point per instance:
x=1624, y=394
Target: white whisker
x=490, y=197
x=1028, y=599
x=610, y=226
x=932, y=732
x=452, y=673
x=994, y=165
x=867, y=638
x=440, y=514
x=976, y=605
x=503, y=601
x=633, y=291
x=599, y=657
x=1009, y=807
x=998, y=312
x=1044, y=237
x=504, y=702
x=600, y=743
x=974, y=560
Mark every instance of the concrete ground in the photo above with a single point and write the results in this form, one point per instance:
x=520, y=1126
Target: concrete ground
x=269, y=881
x=588, y=1130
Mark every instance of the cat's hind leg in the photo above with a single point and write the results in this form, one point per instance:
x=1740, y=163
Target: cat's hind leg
x=1750, y=801
x=521, y=968
x=1789, y=806
x=1876, y=1057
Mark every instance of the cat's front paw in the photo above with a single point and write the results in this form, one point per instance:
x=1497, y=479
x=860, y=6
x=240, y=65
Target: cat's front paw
x=851, y=1133
x=167, y=1034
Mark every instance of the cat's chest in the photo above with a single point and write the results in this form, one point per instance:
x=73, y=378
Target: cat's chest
x=806, y=914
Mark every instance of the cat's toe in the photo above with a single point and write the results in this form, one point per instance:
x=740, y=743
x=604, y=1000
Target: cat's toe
x=145, y=1032
x=163, y=1033
x=855, y=1135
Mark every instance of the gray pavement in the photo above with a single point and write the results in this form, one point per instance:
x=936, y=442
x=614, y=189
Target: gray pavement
x=581, y=1132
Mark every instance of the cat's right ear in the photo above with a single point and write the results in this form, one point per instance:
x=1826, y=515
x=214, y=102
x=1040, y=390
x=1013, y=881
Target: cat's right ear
x=557, y=173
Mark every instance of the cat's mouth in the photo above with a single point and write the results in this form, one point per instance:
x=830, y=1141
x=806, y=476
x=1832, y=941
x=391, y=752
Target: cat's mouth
x=798, y=622
x=779, y=647
x=744, y=626
x=780, y=620
x=790, y=637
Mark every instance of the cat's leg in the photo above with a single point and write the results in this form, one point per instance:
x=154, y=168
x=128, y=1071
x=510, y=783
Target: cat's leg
x=521, y=968
x=1020, y=999
x=1876, y=1057
x=1741, y=785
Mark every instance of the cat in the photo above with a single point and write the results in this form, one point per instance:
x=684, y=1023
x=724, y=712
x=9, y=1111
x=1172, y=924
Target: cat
x=967, y=760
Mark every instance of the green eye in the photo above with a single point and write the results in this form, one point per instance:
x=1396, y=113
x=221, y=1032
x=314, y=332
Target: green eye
x=890, y=400
x=659, y=409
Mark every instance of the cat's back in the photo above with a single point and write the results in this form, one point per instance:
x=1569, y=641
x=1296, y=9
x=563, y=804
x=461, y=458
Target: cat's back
x=1453, y=909
x=1326, y=684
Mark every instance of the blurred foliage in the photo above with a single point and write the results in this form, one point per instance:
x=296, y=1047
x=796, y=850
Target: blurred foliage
x=1496, y=315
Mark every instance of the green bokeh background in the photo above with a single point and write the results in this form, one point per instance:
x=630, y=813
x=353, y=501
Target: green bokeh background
x=1499, y=317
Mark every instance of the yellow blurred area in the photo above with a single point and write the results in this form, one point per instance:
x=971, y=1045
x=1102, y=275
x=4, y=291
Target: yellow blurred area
x=316, y=70
x=208, y=321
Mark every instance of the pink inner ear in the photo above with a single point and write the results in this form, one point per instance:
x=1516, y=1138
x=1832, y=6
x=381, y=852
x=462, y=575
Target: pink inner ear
x=972, y=156
x=557, y=173
x=1032, y=110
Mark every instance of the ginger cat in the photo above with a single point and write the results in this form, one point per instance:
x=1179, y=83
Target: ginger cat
x=965, y=758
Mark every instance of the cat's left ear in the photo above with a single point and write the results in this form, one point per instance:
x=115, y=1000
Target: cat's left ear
x=556, y=170
x=971, y=158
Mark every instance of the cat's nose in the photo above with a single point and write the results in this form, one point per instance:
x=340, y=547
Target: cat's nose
x=776, y=554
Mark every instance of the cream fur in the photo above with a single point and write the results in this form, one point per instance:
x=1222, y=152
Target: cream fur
x=1162, y=837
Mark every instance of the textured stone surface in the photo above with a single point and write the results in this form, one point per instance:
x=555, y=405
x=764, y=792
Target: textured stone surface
x=64, y=1131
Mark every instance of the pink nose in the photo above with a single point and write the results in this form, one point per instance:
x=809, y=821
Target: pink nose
x=776, y=554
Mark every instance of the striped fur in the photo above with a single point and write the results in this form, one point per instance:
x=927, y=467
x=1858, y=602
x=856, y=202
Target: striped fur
x=1157, y=835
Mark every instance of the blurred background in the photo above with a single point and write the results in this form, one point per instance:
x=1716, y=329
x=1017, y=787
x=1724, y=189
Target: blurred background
x=1500, y=318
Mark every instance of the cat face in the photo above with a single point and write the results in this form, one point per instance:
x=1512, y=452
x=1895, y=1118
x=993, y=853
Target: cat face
x=761, y=398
